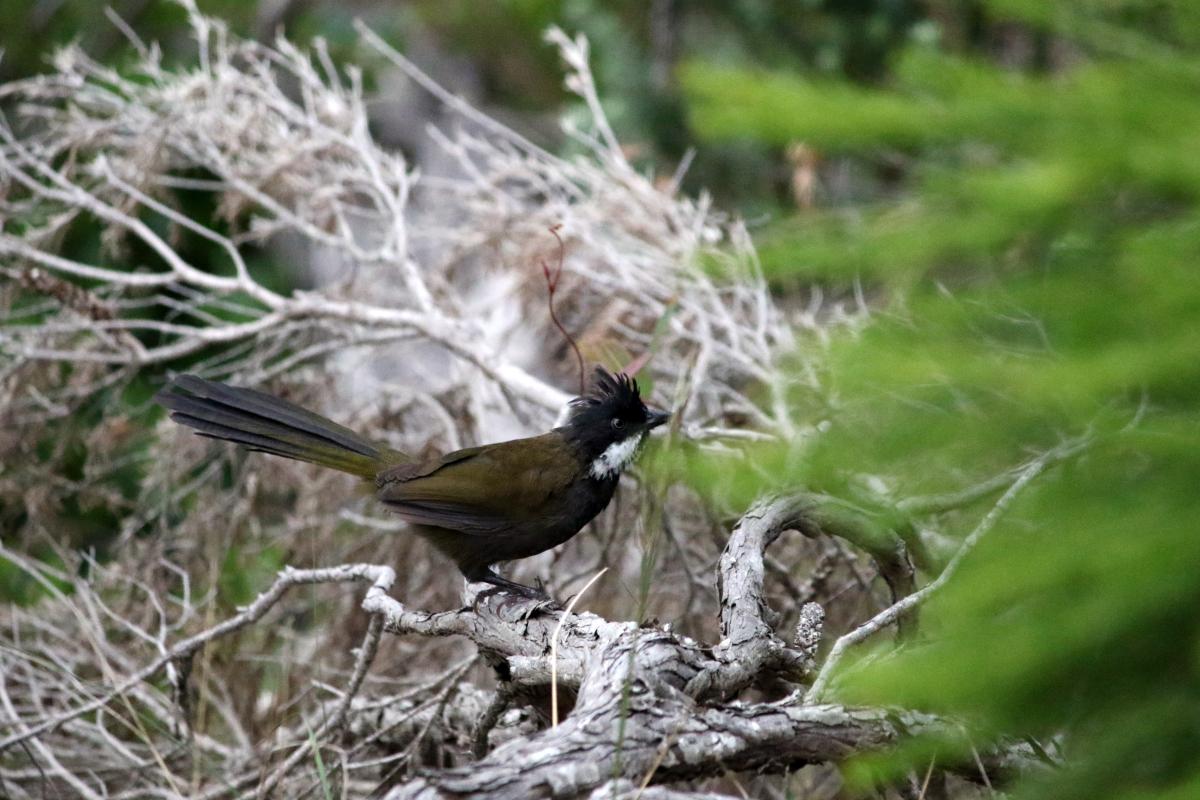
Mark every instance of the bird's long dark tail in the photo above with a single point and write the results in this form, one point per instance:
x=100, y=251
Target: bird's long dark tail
x=258, y=421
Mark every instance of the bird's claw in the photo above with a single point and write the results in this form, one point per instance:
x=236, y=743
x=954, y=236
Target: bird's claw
x=548, y=605
x=534, y=600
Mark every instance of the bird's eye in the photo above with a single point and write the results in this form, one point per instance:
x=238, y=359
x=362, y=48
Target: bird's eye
x=618, y=424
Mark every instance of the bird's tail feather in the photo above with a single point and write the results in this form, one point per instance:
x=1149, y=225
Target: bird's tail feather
x=258, y=421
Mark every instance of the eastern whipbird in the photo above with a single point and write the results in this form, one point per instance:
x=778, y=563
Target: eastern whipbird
x=480, y=506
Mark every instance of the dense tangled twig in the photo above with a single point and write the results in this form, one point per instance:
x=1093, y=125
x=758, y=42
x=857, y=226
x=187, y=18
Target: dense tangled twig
x=309, y=170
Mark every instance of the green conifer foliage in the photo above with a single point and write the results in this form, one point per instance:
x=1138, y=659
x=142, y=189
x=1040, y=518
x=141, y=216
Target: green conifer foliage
x=1036, y=269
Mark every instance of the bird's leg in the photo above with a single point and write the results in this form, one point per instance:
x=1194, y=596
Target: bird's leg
x=500, y=584
x=512, y=587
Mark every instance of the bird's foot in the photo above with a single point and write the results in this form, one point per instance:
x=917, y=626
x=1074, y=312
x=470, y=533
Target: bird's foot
x=516, y=591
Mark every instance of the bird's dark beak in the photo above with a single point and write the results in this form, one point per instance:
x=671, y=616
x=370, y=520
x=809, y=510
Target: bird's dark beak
x=656, y=418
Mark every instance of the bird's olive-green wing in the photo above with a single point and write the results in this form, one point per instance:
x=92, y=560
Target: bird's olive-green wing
x=482, y=490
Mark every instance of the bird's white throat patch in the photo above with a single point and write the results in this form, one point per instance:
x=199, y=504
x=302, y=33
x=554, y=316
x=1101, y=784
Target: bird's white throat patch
x=616, y=456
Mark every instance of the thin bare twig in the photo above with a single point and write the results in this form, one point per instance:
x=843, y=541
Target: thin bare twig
x=381, y=578
x=552, y=279
x=905, y=605
x=554, y=645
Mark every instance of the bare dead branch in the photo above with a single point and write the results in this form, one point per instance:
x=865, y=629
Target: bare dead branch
x=381, y=578
x=905, y=605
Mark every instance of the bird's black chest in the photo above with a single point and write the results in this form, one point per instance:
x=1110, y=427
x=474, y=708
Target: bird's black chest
x=562, y=516
x=587, y=497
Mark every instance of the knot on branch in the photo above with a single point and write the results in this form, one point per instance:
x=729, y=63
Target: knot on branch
x=808, y=633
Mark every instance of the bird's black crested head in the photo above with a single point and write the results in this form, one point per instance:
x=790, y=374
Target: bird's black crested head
x=609, y=422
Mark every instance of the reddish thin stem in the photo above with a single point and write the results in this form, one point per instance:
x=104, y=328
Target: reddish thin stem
x=551, y=288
